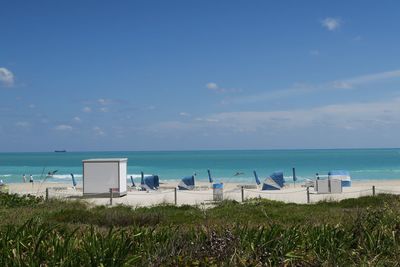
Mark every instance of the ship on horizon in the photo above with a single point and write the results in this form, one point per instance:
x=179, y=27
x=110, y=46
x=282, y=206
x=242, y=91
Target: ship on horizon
x=60, y=151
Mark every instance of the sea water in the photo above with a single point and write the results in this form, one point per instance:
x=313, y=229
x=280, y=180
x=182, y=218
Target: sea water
x=225, y=166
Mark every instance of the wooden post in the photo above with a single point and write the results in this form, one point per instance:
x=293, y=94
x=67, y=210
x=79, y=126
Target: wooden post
x=111, y=196
x=242, y=193
x=176, y=196
x=373, y=190
x=308, y=195
x=47, y=193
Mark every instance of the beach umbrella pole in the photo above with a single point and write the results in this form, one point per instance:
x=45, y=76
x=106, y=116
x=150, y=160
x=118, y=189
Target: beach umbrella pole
x=209, y=177
x=256, y=177
x=294, y=176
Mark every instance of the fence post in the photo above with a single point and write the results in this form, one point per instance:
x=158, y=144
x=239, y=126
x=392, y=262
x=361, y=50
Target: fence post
x=176, y=196
x=242, y=193
x=373, y=190
x=111, y=196
x=47, y=193
x=308, y=195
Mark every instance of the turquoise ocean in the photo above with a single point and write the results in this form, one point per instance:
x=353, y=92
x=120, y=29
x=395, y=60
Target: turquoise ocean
x=363, y=164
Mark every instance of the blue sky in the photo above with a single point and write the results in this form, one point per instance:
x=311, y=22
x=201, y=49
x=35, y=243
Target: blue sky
x=173, y=75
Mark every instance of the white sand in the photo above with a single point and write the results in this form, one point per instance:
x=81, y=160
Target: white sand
x=204, y=195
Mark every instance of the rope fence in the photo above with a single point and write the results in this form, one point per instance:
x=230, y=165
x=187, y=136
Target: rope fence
x=389, y=191
x=62, y=193
x=360, y=191
x=273, y=192
x=153, y=192
x=304, y=195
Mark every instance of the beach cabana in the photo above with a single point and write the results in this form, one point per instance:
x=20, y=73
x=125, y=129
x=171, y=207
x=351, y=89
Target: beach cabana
x=101, y=175
x=187, y=183
x=274, y=182
x=150, y=182
x=341, y=175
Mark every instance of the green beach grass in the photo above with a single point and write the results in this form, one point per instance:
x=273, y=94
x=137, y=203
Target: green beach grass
x=353, y=232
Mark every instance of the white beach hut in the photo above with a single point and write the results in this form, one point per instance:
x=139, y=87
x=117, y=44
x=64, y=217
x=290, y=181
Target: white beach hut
x=99, y=175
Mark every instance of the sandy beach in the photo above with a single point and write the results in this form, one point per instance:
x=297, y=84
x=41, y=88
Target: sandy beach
x=203, y=195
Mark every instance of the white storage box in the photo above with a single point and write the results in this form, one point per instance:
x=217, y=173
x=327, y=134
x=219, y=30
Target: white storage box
x=322, y=186
x=336, y=186
x=328, y=186
x=101, y=175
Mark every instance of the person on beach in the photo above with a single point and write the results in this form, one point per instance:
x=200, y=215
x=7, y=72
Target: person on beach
x=31, y=178
x=1, y=182
x=24, y=178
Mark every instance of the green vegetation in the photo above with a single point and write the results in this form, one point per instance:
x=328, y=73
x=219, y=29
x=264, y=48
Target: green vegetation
x=354, y=232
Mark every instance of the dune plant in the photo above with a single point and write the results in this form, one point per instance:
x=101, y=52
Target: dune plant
x=256, y=233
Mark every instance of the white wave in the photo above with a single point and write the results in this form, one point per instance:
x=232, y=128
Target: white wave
x=136, y=176
x=376, y=171
x=65, y=176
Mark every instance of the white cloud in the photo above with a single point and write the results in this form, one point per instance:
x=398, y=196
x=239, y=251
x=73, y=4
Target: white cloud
x=32, y=106
x=184, y=114
x=356, y=115
x=352, y=83
x=22, y=124
x=98, y=131
x=214, y=87
x=104, y=109
x=350, y=116
x=207, y=119
x=299, y=89
x=374, y=77
x=331, y=24
x=6, y=77
x=151, y=107
x=77, y=119
x=342, y=85
x=104, y=101
x=63, y=127
x=87, y=109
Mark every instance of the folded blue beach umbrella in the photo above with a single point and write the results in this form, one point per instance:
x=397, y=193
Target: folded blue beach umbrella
x=294, y=175
x=274, y=182
x=277, y=177
x=209, y=176
x=187, y=183
x=256, y=176
x=150, y=181
x=270, y=185
x=73, y=180
x=133, y=183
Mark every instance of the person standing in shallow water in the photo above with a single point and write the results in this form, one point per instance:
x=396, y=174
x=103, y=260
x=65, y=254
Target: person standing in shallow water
x=31, y=179
x=24, y=178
